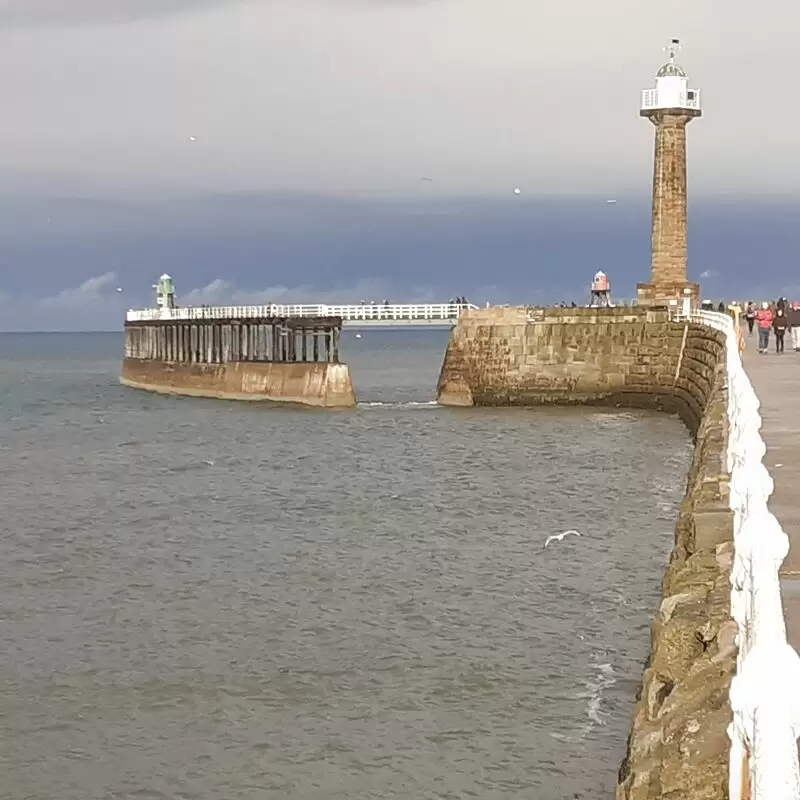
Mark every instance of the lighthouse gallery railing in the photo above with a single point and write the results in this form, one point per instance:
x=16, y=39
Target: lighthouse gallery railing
x=765, y=693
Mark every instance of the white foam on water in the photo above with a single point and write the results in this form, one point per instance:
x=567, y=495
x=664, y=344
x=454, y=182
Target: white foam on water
x=405, y=404
x=594, y=694
x=619, y=419
x=595, y=688
x=666, y=508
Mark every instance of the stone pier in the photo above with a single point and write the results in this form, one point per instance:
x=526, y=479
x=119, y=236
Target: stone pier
x=638, y=357
x=284, y=359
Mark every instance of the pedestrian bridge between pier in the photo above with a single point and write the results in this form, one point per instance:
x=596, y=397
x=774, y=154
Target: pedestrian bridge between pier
x=384, y=315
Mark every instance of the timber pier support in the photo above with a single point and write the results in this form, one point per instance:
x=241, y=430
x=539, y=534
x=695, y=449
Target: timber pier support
x=282, y=359
x=224, y=341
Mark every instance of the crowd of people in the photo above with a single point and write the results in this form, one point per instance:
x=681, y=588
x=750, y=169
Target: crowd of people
x=767, y=318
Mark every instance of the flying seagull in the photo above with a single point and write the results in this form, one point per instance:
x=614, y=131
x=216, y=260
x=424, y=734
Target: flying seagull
x=557, y=537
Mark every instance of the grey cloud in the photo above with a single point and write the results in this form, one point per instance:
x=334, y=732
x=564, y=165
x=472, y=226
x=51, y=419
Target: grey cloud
x=365, y=97
x=83, y=297
x=67, y=13
x=222, y=292
x=95, y=304
x=217, y=292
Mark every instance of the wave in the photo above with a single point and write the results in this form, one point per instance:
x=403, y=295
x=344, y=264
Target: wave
x=595, y=689
x=613, y=419
x=594, y=694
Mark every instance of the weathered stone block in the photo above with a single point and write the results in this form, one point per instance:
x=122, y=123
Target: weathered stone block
x=712, y=527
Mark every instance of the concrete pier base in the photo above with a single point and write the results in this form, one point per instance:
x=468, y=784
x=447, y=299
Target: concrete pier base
x=321, y=385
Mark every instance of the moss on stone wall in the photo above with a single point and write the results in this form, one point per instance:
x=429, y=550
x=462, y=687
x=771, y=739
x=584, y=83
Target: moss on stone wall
x=678, y=745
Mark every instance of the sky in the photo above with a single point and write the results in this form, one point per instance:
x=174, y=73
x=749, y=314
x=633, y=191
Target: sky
x=340, y=150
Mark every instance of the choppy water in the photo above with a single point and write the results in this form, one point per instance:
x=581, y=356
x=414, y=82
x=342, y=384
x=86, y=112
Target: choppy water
x=213, y=600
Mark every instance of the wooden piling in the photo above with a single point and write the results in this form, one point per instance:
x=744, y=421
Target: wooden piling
x=225, y=341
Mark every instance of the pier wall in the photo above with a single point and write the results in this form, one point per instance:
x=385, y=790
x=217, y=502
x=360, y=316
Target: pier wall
x=319, y=385
x=678, y=745
x=282, y=360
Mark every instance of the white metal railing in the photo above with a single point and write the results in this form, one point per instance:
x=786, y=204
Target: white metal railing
x=376, y=313
x=765, y=693
x=652, y=99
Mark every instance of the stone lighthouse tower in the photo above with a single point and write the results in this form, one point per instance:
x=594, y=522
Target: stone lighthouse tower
x=670, y=106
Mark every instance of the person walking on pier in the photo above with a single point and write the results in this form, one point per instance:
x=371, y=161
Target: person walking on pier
x=764, y=317
x=793, y=316
x=780, y=324
x=750, y=316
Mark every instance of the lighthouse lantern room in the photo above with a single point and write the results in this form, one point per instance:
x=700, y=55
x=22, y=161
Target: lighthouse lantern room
x=672, y=86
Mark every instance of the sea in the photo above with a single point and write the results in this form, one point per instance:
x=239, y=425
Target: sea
x=210, y=600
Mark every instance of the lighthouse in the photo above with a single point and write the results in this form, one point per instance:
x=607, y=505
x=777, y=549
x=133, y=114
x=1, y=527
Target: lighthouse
x=671, y=105
x=165, y=292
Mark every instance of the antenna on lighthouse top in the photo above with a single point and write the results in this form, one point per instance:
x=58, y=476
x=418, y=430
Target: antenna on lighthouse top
x=673, y=48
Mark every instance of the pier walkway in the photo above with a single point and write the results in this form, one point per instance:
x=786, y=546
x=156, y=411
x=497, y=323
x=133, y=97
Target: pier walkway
x=357, y=316
x=776, y=380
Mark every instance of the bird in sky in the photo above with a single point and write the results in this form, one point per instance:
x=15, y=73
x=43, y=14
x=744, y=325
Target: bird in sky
x=557, y=537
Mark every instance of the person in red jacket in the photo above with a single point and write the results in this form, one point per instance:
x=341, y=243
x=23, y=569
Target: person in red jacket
x=764, y=318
